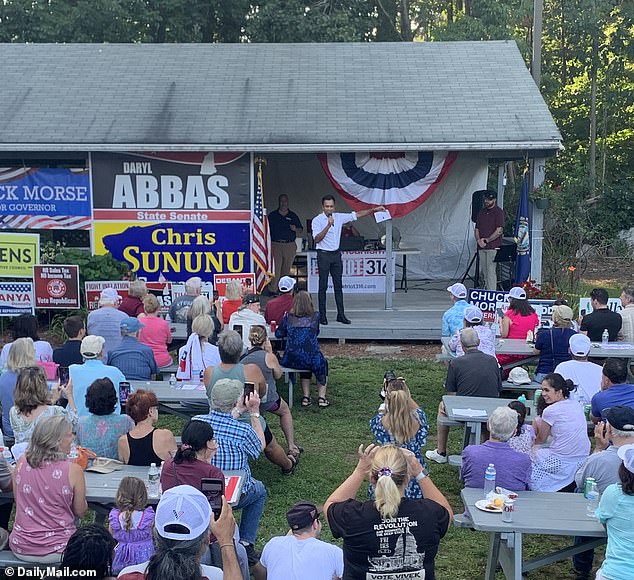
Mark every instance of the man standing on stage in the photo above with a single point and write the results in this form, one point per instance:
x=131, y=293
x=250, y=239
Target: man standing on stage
x=326, y=228
x=284, y=225
x=488, y=234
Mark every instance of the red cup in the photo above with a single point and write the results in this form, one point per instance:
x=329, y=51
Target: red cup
x=273, y=325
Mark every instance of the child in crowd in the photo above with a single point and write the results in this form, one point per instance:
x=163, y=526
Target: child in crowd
x=524, y=438
x=131, y=525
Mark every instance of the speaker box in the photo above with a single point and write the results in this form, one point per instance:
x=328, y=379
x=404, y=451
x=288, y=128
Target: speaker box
x=477, y=202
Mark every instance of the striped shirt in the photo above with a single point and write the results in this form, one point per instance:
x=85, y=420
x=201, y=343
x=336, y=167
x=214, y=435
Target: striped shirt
x=236, y=443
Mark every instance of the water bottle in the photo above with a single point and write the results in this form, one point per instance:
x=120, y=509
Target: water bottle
x=153, y=481
x=605, y=337
x=74, y=454
x=173, y=381
x=6, y=453
x=592, y=499
x=489, y=479
x=168, y=318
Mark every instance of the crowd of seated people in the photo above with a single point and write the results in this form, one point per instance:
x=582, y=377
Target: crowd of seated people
x=550, y=453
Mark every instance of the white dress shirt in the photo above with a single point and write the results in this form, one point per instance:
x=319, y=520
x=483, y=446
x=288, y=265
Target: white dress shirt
x=331, y=240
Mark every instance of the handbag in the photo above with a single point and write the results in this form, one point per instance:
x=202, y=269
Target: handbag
x=50, y=369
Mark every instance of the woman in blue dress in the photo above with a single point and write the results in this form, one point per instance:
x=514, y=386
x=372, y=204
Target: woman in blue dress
x=403, y=423
x=300, y=326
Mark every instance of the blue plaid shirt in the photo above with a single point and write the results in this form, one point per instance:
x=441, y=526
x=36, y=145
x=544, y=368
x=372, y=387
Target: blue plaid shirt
x=236, y=443
x=452, y=318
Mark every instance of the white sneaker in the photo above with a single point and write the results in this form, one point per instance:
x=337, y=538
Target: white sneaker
x=435, y=456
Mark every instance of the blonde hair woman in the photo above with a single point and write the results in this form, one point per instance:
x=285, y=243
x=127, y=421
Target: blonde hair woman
x=416, y=525
x=201, y=305
x=21, y=355
x=232, y=301
x=404, y=424
x=156, y=331
x=50, y=492
x=198, y=353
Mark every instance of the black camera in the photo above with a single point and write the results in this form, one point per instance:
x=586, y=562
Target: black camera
x=387, y=377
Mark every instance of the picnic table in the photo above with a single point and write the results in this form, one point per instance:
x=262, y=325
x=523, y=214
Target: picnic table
x=549, y=513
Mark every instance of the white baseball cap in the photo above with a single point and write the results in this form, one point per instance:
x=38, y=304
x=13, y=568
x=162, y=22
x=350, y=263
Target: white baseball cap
x=185, y=506
x=473, y=314
x=626, y=454
x=580, y=344
x=109, y=296
x=286, y=283
x=458, y=290
x=519, y=376
x=517, y=293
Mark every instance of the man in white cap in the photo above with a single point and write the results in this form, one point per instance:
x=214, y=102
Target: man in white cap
x=452, y=318
x=276, y=308
x=106, y=320
x=182, y=526
x=584, y=374
x=82, y=376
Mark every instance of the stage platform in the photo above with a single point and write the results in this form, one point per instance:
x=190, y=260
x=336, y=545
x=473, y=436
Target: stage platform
x=416, y=315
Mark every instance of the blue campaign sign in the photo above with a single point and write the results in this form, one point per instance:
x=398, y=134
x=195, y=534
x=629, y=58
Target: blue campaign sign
x=54, y=193
x=177, y=251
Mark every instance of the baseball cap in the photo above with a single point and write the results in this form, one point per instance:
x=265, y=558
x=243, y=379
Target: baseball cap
x=91, y=346
x=225, y=392
x=302, y=515
x=580, y=344
x=286, y=284
x=109, y=295
x=185, y=506
x=626, y=453
x=490, y=194
x=517, y=293
x=251, y=299
x=519, y=376
x=458, y=290
x=130, y=324
x=620, y=417
x=473, y=314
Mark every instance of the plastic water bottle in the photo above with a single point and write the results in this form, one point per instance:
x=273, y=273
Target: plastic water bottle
x=168, y=318
x=173, y=381
x=6, y=453
x=489, y=479
x=74, y=454
x=153, y=478
x=592, y=499
x=605, y=337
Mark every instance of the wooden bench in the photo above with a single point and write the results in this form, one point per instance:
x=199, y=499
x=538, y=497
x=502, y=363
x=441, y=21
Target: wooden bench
x=168, y=370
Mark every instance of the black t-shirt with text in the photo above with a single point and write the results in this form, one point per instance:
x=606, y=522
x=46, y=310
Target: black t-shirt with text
x=401, y=548
x=598, y=320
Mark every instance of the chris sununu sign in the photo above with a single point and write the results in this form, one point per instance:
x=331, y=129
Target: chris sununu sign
x=173, y=215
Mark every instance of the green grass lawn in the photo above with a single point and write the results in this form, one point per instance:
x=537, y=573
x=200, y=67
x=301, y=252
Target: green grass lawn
x=330, y=438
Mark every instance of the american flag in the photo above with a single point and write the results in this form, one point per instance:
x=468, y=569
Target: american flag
x=261, y=248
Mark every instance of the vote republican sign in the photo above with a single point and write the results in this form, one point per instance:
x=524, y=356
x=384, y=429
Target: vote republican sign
x=56, y=286
x=174, y=215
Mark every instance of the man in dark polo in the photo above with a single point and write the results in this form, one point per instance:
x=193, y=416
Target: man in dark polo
x=326, y=228
x=284, y=226
x=488, y=233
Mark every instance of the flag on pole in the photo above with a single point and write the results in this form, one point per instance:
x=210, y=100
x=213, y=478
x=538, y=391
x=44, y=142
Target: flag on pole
x=261, y=247
x=522, y=236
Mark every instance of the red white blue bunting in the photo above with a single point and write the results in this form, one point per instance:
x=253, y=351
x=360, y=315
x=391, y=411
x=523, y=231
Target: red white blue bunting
x=399, y=181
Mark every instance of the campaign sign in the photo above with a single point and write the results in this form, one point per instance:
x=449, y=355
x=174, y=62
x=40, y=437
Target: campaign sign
x=162, y=291
x=18, y=254
x=56, y=286
x=494, y=304
x=585, y=306
x=42, y=198
x=363, y=272
x=176, y=252
x=246, y=280
x=16, y=298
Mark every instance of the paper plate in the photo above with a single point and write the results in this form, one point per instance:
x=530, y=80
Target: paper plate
x=482, y=505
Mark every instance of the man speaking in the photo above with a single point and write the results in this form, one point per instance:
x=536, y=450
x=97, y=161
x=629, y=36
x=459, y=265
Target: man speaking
x=488, y=233
x=326, y=228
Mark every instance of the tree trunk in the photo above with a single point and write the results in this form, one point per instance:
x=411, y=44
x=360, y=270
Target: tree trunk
x=563, y=48
x=450, y=11
x=593, y=103
x=406, y=23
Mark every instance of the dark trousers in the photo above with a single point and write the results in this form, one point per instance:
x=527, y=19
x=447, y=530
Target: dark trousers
x=329, y=263
x=582, y=561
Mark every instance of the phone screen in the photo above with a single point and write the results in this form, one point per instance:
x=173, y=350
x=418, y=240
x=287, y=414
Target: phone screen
x=249, y=389
x=500, y=313
x=213, y=489
x=124, y=392
x=64, y=376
